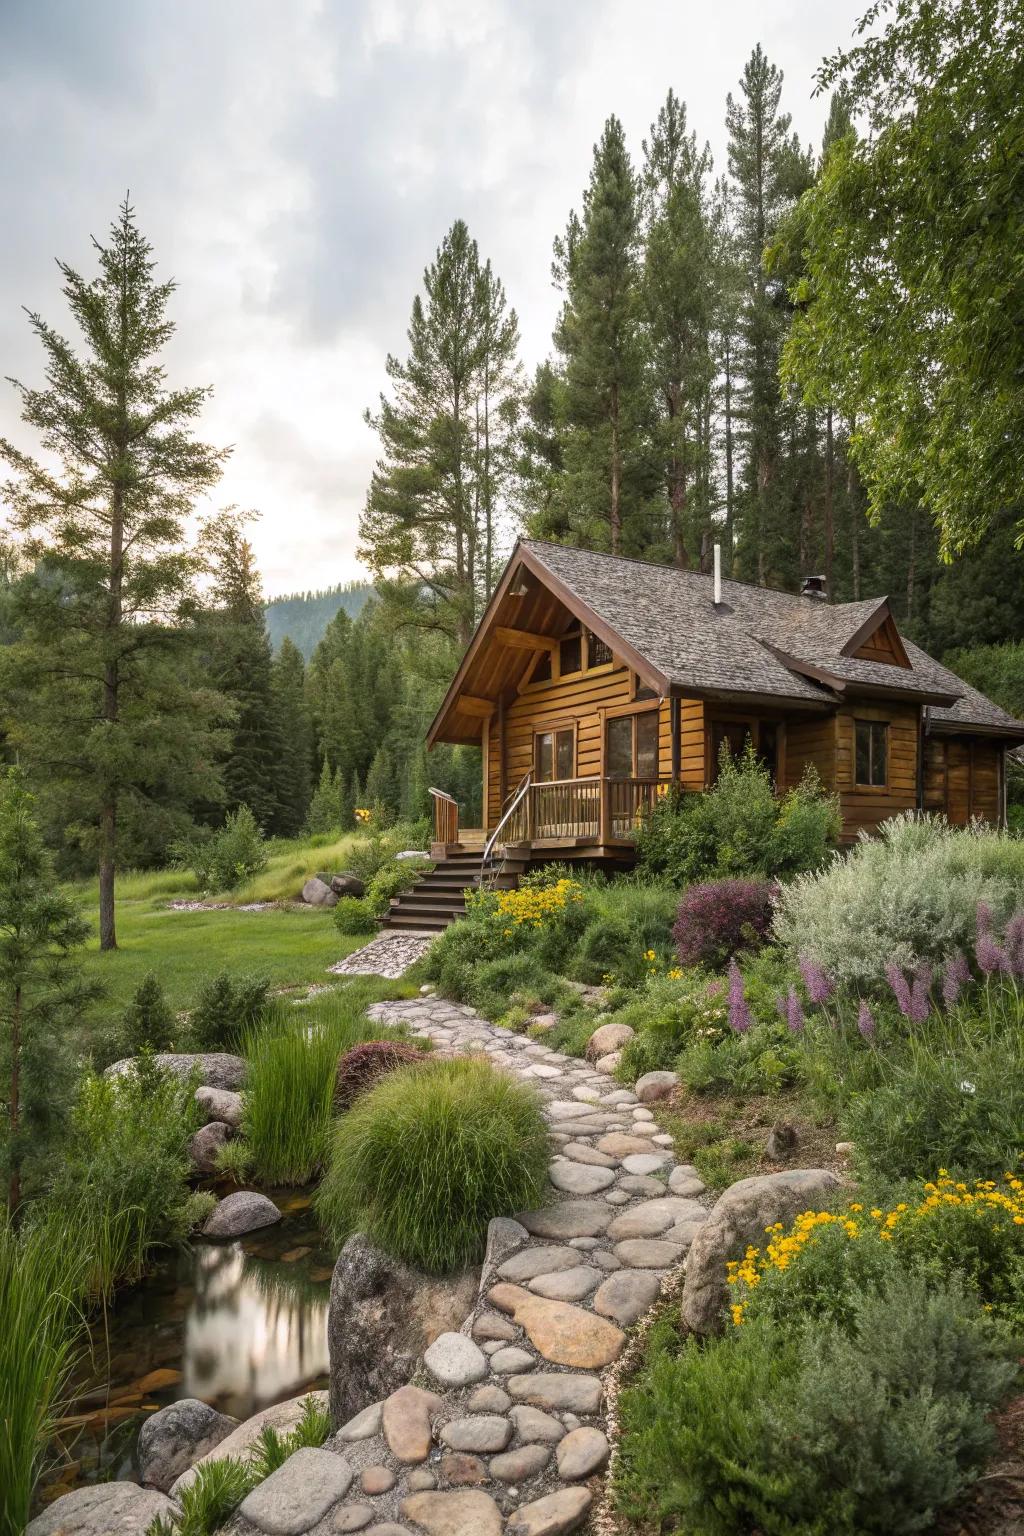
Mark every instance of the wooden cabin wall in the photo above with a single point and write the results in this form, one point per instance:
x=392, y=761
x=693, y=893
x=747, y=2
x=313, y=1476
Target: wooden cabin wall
x=810, y=742
x=962, y=778
x=864, y=807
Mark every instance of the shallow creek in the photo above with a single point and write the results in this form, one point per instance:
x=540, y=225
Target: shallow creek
x=240, y=1325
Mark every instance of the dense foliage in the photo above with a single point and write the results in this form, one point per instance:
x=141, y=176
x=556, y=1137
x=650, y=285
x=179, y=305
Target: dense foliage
x=719, y=920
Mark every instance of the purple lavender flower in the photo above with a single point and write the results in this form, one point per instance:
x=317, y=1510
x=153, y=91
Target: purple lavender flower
x=900, y=987
x=739, y=1009
x=920, y=999
x=1013, y=944
x=988, y=954
x=782, y=1007
x=957, y=976
x=983, y=917
x=818, y=982
x=794, y=1011
x=866, y=1021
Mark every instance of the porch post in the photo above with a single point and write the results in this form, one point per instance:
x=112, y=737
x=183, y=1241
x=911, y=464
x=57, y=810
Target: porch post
x=502, y=765
x=485, y=759
x=675, y=717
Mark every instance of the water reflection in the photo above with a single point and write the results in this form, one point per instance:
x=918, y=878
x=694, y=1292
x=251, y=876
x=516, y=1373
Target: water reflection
x=240, y=1325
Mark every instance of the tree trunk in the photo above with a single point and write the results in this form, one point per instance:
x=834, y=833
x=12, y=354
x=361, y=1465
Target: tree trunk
x=616, y=481
x=677, y=488
x=111, y=702
x=14, y=1109
x=728, y=449
x=830, y=476
x=851, y=490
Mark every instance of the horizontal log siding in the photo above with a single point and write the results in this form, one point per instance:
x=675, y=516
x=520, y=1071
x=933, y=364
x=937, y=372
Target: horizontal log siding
x=864, y=807
x=692, y=767
x=810, y=743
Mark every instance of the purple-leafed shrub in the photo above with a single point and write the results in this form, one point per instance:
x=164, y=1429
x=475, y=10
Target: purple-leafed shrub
x=721, y=919
x=364, y=1065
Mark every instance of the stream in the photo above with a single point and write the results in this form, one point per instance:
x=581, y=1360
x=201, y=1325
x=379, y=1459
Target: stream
x=240, y=1325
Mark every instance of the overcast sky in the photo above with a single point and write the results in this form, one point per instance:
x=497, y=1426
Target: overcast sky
x=295, y=165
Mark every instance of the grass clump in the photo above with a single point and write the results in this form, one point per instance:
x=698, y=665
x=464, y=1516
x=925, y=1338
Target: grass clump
x=426, y=1159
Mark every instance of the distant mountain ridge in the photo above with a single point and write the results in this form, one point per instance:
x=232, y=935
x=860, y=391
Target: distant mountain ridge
x=304, y=616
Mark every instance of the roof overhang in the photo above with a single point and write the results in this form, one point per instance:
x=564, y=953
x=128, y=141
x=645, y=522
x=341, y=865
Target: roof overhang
x=1011, y=734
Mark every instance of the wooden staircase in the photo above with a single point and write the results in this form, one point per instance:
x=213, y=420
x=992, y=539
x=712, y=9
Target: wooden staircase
x=438, y=897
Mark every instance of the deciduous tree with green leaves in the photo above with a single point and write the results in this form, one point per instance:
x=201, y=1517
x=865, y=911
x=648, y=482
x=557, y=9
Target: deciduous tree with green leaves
x=99, y=707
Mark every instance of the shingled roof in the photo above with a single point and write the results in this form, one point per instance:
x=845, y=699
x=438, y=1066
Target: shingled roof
x=757, y=640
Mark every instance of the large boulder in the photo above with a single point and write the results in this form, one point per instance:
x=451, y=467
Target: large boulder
x=383, y=1316
x=606, y=1039
x=738, y=1221
x=205, y=1146
x=282, y=1417
x=345, y=884
x=220, y=1104
x=104, y=1509
x=241, y=1212
x=318, y=893
x=213, y=1069
x=175, y=1437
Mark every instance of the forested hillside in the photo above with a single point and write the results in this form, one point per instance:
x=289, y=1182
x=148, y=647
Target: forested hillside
x=304, y=616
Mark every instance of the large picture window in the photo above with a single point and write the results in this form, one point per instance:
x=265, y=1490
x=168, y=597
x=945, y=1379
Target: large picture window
x=631, y=746
x=554, y=755
x=872, y=753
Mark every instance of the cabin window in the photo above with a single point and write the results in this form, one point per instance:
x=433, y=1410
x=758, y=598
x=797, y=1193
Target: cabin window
x=598, y=653
x=542, y=671
x=570, y=655
x=631, y=746
x=554, y=755
x=872, y=754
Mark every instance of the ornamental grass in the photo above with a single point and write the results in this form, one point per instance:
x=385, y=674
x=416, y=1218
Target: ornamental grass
x=429, y=1156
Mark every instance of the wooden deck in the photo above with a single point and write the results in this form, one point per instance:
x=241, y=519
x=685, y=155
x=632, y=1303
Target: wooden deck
x=563, y=818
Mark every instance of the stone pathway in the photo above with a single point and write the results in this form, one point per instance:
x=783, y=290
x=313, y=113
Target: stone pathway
x=504, y=1434
x=389, y=955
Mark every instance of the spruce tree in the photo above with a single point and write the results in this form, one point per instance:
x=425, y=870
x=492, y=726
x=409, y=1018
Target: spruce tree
x=42, y=991
x=294, y=731
x=102, y=713
x=324, y=813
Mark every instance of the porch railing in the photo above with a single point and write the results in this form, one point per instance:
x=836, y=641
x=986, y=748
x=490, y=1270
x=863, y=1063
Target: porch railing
x=581, y=810
x=446, y=817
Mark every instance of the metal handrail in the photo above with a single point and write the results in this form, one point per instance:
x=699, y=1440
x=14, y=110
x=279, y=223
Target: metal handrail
x=513, y=805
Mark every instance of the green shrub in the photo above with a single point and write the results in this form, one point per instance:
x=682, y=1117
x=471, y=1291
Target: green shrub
x=209, y=1500
x=390, y=880
x=622, y=923
x=125, y=1169
x=764, y=1060
x=869, y=1426
x=354, y=915
x=42, y=1275
x=738, y=827
x=372, y=853
x=227, y=1006
x=272, y=1449
x=227, y=858
x=233, y=1161
x=293, y=1057
x=909, y=895
x=427, y=1158
x=148, y=1023
x=670, y=1013
x=517, y=980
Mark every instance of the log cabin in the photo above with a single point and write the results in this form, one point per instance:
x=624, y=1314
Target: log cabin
x=595, y=683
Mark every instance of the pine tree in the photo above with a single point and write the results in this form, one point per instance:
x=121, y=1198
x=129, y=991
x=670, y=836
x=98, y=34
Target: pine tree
x=294, y=731
x=42, y=991
x=427, y=531
x=325, y=810
x=106, y=528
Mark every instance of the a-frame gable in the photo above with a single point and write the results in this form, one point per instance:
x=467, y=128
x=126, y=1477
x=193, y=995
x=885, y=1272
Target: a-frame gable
x=879, y=640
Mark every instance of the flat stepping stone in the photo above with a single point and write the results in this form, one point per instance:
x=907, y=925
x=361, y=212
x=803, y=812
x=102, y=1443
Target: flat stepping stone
x=563, y=1334
x=567, y=1284
x=559, y=1391
x=491, y=1326
x=578, y=1179
x=483, y=1433
x=655, y=1216
x=377, y=1479
x=535, y=1424
x=354, y=1517
x=684, y=1180
x=524, y=1462
x=647, y=1253
x=299, y=1494
x=363, y=1425
x=455, y=1361
x=489, y=1399
x=620, y=1144
x=617, y=1197
x=626, y=1295
x=557, y=1514
x=537, y=1261
x=579, y=1152
x=406, y=1419
x=582, y=1452
x=511, y=1360
x=572, y=1218
x=460, y=1470
x=644, y=1162
x=468, y=1513
x=641, y=1184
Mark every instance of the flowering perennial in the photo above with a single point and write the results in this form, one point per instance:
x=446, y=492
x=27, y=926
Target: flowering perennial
x=531, y=906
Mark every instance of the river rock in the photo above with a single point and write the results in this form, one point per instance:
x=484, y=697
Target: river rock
x=516, y=1466
x=482, y=1433
x=579, y=1178
x=656, y=1085
x=240, y=1212
x=557, y=1390
x=347, y=884
x=534, y=1424
x=739, y=1219
x=647, y=1252
x=582, y=1452
x=317, y=893
x=555, y=1515
x=573, y=1218
x=175, y=1437
x=610, y=1037
x=564, y=1334
x=383, y=1316
x=626, y=1295
x=213, y=1069
x=454, y=1514
x=655, y=1217
x=407, y=1418
x=206, y=1144
x=282, y=1417
x=299, y=1494
x=221, y=1104
x=455, y=1361
x=568, y=1284
x=104, y=1509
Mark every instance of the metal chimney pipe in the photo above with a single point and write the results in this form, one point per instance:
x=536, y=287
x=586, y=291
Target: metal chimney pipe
x=718, y=574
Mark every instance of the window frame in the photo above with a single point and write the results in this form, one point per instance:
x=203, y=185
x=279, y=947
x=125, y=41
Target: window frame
x=633, y=715
x=556, y=729
x=873, y=728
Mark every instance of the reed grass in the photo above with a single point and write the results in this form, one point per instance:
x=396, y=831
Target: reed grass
x=429, y=1156
x=43, y=1271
